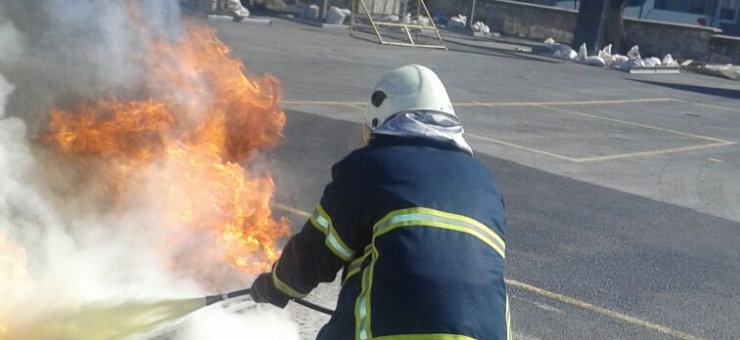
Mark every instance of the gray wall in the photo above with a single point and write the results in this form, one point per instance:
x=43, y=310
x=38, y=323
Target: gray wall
x=513, y=18
x=659, y=38
x=541, y=22
x=725, y=49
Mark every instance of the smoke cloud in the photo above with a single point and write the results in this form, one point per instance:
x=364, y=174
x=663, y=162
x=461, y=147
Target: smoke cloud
x=60, y=247
x=263, y=324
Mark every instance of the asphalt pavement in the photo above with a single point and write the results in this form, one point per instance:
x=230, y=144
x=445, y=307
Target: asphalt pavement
x=622, y=191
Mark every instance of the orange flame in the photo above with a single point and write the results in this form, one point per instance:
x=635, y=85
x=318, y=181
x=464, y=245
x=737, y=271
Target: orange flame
x=199, y=115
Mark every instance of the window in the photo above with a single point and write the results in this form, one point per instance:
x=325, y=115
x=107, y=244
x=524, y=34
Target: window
x=672, y=5
x=661, y=4
x=699, y=7
x=728, y=10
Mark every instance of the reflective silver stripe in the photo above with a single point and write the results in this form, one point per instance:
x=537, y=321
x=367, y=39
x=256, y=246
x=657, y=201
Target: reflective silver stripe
x=363, y=308
x=363, y=315
x=434, y=218
x=321, y=220
x=344, y=252
x=423, y=217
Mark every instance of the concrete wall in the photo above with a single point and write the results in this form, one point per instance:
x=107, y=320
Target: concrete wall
x=514, y=18
x=540, y=22
x=724, y=49
x=527, y=20
x=384, y=6
x=659, y=38
x=336, y=3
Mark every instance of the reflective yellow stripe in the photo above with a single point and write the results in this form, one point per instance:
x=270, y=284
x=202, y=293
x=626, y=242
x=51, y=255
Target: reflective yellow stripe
x=350, y=273
x=356, y=265
x=439, y=219
x=318, y=221
x=321, y=220
x=338, y=247
x=424, y=217
x=424, y=337
x=281, y=286
x=362, y=311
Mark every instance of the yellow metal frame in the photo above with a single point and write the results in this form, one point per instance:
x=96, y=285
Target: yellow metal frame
x=375, y=25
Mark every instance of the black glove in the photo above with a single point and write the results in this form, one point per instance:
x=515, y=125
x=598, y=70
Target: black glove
x=263, y=291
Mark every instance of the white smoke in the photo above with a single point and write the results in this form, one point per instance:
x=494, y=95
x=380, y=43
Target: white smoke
x=10, y=40
x=71, y=261
x=57, y=50
x=262, y=324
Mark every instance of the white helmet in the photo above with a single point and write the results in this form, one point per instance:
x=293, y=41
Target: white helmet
x=407, y=88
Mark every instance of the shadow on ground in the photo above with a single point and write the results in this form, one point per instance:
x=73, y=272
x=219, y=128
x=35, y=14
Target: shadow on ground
x=712, y=91
x=459, y=46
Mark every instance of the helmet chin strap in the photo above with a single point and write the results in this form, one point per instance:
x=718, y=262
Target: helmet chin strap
x=368, y=128
x=366, y=131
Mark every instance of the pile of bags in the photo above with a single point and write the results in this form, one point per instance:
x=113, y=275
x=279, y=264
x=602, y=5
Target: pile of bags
x=307, y=12
x=606, y=59
x=481, y=28
x=408, y=20
x=560, y=51
x=636, y=60
x=392, y=18
x=457, y=22
x=593, y=60
x=337, y=16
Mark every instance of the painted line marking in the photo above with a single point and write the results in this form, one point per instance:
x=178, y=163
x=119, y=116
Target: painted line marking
x=716, y=160
x=559, y=297
x=566, y=103
x=651, y=153
x=517, y=146
x=551, y=106
x=492, y=104
x=716, y=141
x=638, y=124
x=357, y=106
x=605, y=157
x=601, y=310
x=723, y=108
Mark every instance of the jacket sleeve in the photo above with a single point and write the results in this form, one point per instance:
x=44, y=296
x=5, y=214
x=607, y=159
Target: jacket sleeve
x=326, y=243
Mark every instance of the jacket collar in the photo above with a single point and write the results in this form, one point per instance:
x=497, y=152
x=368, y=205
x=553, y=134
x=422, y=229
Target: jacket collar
x=428, y=125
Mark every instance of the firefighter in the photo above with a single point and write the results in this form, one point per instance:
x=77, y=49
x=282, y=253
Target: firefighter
x=415, y=222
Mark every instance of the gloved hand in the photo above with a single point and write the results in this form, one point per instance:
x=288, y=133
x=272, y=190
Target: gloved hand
x=263, y=291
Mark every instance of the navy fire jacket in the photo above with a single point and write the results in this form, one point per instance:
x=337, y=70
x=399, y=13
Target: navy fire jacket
x=418, y=228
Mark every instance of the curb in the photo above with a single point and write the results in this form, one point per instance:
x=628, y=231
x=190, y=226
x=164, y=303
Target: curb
x=314, y=23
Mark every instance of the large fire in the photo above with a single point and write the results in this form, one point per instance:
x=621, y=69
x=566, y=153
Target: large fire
x=181, y=137
x=169, y=150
